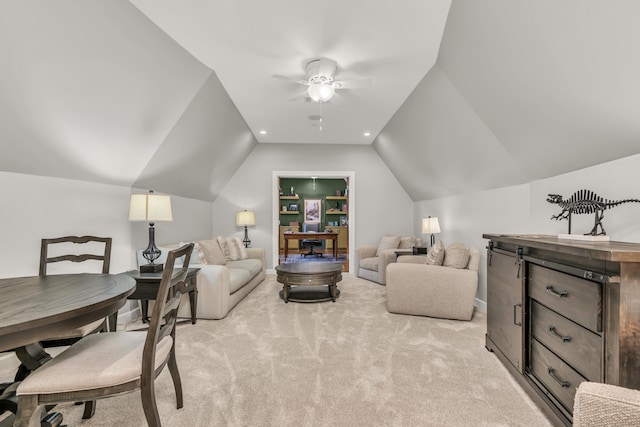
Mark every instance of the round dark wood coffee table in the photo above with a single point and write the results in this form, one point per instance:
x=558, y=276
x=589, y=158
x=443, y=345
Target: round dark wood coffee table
x=313, y=281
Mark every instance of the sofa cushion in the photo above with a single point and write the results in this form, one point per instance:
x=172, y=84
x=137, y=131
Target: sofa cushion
x=252, y=265
x=238, y=277
x=436, y=254
x=212, y=252
x=388, y=242
x=197, y=256
x=232, y=248
x=369, y=263
x=408, y=242
x=456, y=256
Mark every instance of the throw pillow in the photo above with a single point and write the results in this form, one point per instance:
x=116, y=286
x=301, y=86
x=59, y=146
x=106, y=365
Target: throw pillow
x=212, y=252
x=435, y=256
x=408, y=242
x=456, y=256
x=232, y=248
x=388, y=242
x=197, y=256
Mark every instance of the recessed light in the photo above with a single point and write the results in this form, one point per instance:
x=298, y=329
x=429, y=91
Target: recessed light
x=367, y=134
x=263, y=132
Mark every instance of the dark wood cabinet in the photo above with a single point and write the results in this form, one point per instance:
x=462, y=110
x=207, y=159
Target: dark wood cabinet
x=505, y=298
x=560, y=312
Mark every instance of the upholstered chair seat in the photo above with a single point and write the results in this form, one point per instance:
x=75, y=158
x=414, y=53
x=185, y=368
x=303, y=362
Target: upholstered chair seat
x=66, y=372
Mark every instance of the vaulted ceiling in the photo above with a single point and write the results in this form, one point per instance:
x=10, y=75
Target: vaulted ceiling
x=466, y=95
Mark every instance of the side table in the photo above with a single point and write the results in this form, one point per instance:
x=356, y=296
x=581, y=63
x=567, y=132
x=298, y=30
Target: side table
x=147, y=288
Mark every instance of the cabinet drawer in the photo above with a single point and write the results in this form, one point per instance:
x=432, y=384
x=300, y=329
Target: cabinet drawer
x=558, y=377
x=579, y=347
x=574, y=298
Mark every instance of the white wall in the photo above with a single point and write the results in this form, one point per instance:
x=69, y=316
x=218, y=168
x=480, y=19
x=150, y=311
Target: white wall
x=191, y=221
x=35, y=207
x=523, y=209
x=381, y=204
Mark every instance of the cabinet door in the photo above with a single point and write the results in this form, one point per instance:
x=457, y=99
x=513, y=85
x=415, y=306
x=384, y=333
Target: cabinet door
x=505, y=314
x=343, y=238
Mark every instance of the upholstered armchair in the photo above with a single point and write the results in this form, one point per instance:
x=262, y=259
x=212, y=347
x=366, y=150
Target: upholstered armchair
x=371, y=261
x=602, y=405
x=446, y=291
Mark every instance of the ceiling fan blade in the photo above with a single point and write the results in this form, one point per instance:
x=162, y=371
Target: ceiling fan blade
x=354, y=84
x=290, y=79
x=298, y=96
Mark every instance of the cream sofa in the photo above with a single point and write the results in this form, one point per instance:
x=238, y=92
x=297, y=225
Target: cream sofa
x=371, y=261
x=414, y=287
x=220, y=286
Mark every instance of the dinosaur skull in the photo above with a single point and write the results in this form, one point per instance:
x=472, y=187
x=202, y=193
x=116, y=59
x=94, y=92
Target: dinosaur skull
x=554, y=198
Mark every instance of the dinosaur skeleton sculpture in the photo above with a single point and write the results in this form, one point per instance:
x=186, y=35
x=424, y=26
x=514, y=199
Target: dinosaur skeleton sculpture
x=585, y=202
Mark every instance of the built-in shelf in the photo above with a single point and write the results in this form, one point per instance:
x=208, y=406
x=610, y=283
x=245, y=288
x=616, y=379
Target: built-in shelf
x=289, y=197
x=336, y=197
x=336, y=212
x=289, y=212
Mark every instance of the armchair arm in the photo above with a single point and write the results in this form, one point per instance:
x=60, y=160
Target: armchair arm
x=363, y=252
x=385, y=257
x=599, y=405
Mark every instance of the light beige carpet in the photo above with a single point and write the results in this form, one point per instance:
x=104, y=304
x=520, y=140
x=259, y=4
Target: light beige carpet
x=348, y=363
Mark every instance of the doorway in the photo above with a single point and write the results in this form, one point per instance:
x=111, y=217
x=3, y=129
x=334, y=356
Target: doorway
x=333, y=193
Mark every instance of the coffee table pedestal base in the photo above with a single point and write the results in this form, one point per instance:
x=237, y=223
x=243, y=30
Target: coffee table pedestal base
x=309, y=294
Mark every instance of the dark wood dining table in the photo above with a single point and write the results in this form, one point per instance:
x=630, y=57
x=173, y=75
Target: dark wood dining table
x=37, y=308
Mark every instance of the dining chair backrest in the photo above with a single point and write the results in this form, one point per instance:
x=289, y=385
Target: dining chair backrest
x=165, y=310
x=105, y=257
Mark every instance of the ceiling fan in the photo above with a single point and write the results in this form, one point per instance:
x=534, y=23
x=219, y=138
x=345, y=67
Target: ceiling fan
x=320, y=82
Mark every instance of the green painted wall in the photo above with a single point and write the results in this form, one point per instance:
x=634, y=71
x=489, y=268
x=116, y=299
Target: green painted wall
x=304, y=188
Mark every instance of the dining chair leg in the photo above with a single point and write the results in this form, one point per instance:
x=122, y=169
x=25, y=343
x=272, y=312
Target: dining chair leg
x=148, y=395
x=29, y=412
x=89, y=409
x=175, y=376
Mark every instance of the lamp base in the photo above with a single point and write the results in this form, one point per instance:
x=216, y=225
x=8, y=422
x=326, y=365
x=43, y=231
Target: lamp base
x=151, y=268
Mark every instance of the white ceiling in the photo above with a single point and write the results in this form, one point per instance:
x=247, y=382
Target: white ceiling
x=393, y=43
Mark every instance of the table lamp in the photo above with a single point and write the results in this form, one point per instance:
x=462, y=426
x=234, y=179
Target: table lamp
x=431, y=226
x=150, y=207
x=245, y=218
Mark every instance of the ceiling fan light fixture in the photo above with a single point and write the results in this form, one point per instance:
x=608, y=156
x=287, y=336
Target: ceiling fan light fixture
x=321, y=92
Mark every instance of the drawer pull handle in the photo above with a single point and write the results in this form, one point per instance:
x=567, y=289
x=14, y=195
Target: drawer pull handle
x=563, y=338
x=552, y=374
x=558, y=294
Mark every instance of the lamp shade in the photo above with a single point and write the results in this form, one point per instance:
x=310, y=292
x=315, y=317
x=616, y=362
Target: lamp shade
x=321, y=92
x=150, y=207
x=430, y=225
x=245, y=218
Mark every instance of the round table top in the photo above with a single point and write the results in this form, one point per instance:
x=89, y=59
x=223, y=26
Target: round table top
x=309, y=267
x=35, y=308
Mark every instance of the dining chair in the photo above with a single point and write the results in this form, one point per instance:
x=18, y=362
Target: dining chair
x=73, y=335
x=104, y=365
